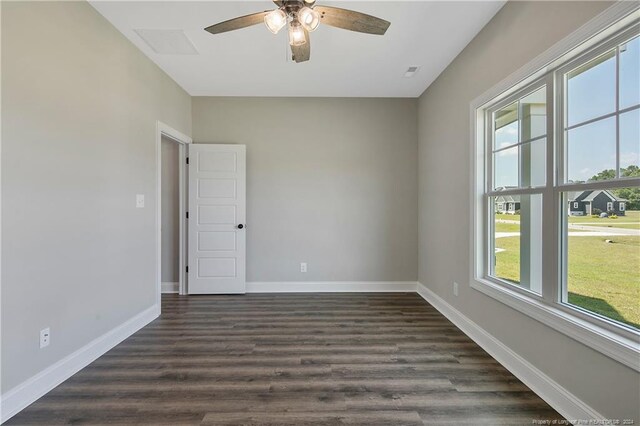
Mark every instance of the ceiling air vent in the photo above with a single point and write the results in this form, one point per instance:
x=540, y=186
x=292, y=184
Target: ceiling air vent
x=168, y=42
x=411, y=71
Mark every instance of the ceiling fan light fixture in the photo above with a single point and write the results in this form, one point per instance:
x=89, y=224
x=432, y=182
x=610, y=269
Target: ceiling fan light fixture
x=303, y=16
x=275, y=20
x=296, y=34
x=309, y=18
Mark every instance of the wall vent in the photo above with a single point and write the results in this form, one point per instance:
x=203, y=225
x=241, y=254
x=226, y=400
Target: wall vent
x=411, y=71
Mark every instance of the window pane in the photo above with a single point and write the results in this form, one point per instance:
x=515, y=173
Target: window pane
x=603, y=253
x=533, y=110
x=533, y=157
x=630, y=73
x=521, y=166
x=506, y=126
x=517, y=240
x=591, y=89
x=505, y=165
x=630, y=143
x=591, y=151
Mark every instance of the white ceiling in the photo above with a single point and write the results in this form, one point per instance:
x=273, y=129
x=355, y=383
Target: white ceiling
x=253, y=62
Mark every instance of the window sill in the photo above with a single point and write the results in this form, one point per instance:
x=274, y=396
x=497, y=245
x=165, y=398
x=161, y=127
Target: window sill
x=619, y=348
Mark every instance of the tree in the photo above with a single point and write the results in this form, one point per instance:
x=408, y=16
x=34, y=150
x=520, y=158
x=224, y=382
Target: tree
x=631, y=171
x=605, y=175
x=630, y=194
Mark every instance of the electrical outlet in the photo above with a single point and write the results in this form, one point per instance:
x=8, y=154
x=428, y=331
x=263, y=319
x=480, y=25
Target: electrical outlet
x=455, y=288
x=303, y=267
x=140, y=201
x=45, y=337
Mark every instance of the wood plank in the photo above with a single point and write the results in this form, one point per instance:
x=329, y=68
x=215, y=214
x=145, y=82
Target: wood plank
x=407, y=418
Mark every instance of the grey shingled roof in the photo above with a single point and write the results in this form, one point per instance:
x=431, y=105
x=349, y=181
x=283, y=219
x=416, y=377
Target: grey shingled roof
x=588, y=196
x=608, y=193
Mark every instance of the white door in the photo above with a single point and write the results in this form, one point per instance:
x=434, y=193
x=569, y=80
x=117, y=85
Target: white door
x=217, y=204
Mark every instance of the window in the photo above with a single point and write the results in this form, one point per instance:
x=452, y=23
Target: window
x=518, y=142
x=570, y=132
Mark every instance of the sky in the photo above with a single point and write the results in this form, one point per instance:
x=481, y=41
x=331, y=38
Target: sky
x=592, y=147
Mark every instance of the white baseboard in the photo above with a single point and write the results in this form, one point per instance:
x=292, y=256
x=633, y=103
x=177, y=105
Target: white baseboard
x=331, y=287
x=18, y=398
x=169, y=287
x=563, y=401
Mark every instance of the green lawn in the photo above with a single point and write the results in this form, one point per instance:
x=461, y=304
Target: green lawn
x=631, y=216
x=507, y=227
x=605, y=278
x=515, y=217
x=602, y=277
x=508, y=261
x=630, y=220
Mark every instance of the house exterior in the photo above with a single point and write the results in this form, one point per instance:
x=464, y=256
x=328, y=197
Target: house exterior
x=585, y=202
x=507, y=204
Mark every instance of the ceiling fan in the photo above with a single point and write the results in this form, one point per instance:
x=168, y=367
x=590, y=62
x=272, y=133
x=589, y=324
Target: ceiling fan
x=303, y=17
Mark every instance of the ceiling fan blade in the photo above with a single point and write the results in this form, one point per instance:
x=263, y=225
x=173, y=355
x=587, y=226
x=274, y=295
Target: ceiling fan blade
x=351, y=20
x=302, y=53
x=237, y=23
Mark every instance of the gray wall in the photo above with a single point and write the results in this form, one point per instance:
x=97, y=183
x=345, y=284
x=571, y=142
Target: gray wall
x=518, y=33
x=79, y=111
x=331, y=182
x=170, y=211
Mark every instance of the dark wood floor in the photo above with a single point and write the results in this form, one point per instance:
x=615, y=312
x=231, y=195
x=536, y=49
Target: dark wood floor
x=370, y=359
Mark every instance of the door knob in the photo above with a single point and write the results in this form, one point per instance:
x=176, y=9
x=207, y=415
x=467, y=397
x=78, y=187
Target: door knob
x=240, y=226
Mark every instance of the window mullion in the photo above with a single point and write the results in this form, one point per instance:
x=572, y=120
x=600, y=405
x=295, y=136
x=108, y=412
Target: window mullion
x=549, y=246
x=488, y=218
x=557, y=290
x=489, y=177
x=617, y=174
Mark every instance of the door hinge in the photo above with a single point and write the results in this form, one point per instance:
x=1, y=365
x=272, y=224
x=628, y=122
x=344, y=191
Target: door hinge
x=187, y=160
x=187, y=215
x=187, y=269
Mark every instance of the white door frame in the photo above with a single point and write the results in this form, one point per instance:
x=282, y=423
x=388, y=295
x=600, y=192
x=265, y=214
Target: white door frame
x=183, y=141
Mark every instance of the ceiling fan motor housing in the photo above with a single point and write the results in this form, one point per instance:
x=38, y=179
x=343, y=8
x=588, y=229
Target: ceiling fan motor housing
x=292, y=7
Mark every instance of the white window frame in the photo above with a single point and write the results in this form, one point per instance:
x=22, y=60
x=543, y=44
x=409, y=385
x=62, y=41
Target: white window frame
x=608, y=337
x=575, y=204
x=621, y=206
x=609, y=206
